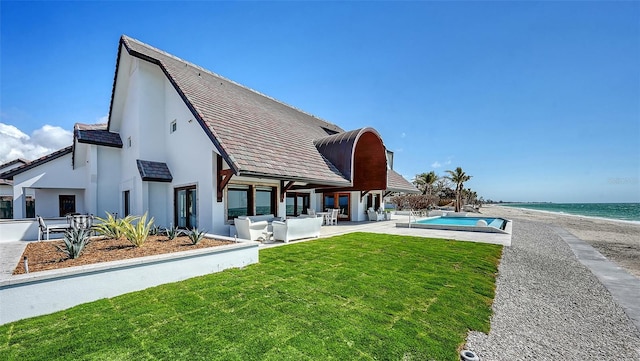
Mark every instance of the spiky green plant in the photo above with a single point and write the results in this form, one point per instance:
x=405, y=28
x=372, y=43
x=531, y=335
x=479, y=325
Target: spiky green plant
x=137, y=233
x=173, y=232
x=112, y=227
x=156, y=230
x=75, y=240
x=195, y=236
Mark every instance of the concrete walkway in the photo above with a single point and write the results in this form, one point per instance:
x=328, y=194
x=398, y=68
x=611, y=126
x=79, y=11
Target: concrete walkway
x=624, y=287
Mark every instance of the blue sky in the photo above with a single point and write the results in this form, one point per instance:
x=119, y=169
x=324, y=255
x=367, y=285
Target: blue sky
x=538, y=101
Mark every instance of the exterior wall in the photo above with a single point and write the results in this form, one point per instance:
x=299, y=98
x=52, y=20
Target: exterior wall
x=47, y=202
x=149, y=105
x=108, y=196
x=56, y=177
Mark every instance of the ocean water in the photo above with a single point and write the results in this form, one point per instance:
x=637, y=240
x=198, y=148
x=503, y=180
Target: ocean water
x=619, y=211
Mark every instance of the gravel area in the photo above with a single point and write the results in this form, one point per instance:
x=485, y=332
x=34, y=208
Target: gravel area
x=548, y=306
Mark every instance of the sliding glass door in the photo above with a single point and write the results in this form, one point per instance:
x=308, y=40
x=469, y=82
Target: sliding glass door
x=186, y=210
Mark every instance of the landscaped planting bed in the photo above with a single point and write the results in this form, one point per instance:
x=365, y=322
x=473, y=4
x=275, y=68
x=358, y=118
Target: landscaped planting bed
x=358, y=296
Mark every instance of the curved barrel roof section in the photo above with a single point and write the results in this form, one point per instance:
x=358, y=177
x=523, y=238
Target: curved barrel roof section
x=339, y=148
x=358, y=154
x=256, y=135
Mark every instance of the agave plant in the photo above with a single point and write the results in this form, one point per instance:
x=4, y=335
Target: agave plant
x=137, y=233
x=112, y=227
x=196, y=236
x=75, y=240
x=173, y=232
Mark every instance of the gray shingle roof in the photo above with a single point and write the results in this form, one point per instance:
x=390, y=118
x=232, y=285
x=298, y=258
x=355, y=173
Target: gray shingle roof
x=97, y=134
x=397, y=183
x=47, y=158
x=257, y=135
x=154, y=171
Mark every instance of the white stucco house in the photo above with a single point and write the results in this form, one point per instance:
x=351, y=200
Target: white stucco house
x=194, y=149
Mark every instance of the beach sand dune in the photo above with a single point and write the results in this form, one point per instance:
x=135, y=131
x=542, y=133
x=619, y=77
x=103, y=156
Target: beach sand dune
x=619, y=241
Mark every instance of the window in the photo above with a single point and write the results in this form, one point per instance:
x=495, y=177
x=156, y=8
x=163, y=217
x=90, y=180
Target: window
x=173, y=127
x=265, y=200
x=186, y=207
x=250, y=200
x=66, y=204
x=339, y=200
x=30, y=205
x=298, y=203
x=238, y=202
x=126, y=202
x=6, y=207
x=373, y=201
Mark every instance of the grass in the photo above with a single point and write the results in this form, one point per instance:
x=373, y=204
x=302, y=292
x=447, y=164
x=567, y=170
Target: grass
x=359, y=296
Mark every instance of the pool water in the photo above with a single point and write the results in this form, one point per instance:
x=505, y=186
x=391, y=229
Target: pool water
x=464, y=221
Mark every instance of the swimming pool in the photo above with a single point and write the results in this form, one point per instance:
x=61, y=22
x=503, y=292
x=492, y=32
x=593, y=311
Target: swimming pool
x=474, y=224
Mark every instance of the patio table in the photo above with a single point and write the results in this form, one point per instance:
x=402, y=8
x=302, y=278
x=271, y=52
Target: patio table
x=324, y=216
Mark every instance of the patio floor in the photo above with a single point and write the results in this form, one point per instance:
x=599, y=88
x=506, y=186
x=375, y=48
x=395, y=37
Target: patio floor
x=10, y=252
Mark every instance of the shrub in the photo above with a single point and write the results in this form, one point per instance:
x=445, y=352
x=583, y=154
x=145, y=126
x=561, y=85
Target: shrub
x=196, y=236
x=112, y=227
x=155, y=231
x=173, y=232
x=75, y=240
x=137, y=233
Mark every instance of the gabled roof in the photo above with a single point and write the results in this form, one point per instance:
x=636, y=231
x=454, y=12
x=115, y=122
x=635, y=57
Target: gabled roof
x=47, y=158
x=97, y=134
x=397, y=183
x=256, y=135
x=15, y=161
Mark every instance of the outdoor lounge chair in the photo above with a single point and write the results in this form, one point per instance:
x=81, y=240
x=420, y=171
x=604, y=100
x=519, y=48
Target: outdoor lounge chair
x=375, y=216
x=251, y=230
x=52, y=228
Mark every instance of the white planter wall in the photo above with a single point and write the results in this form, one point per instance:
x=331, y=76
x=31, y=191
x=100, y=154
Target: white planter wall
x=39, y=293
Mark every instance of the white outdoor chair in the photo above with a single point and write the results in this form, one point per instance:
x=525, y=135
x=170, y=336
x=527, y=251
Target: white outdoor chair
x=332, y=217
x=311, y=212
x=52, y=228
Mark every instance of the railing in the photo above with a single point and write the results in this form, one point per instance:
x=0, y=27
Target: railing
x=412, y=214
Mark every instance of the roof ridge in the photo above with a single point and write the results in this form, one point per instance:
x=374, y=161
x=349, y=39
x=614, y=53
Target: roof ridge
x=128, y=38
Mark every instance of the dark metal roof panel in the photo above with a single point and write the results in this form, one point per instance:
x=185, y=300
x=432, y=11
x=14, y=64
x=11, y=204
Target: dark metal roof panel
x=154, y=171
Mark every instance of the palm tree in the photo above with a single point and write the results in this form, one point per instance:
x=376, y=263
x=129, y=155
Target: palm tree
x=458, y=177
x=424, y=182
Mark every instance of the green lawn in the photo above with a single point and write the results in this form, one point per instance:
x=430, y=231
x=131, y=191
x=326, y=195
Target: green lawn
x=359, y=296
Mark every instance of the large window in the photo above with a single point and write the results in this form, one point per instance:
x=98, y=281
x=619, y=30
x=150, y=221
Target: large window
x=250, y=200
x=238, y=200
x=265, y=197
x=339, y=200
x=186, y=207
x=297, y=203
x=6, y=207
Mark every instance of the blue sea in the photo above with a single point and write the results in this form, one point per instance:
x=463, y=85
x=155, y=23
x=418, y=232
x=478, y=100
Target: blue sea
x=619, y=211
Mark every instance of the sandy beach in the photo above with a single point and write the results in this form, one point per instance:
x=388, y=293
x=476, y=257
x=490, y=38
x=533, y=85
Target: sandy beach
x=619, y=241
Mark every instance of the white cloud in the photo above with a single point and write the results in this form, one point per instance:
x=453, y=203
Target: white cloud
x=16, y=144
x=103, y=120
x=403, y=135
x=436, y=164
x=399, y=150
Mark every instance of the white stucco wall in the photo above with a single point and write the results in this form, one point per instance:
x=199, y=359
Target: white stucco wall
x=108, y=196
x=47, y=181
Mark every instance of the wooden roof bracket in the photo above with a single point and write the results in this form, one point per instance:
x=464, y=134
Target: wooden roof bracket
x=362, y=194
x=224, y=176
x=284, y=188
x=386, y=193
